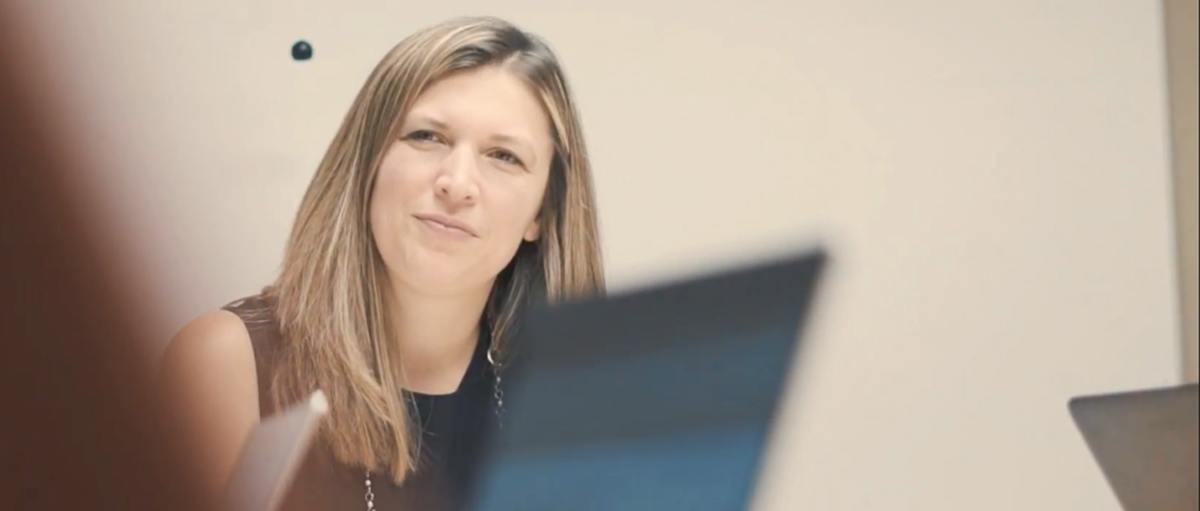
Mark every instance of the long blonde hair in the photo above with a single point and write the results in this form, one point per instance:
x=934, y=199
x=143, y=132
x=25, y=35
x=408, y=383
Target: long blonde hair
x=332, y=291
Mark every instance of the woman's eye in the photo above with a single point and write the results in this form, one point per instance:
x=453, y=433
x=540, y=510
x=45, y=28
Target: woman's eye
x=423, y=136
x=507, y=157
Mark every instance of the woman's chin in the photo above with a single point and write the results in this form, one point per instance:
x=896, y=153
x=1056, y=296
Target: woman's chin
x=439, y=280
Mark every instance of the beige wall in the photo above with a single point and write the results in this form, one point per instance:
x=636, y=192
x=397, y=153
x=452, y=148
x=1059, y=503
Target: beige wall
x=993, y=177
x=1183, y=54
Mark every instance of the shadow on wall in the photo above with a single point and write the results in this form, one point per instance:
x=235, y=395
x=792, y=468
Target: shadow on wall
x=1183, y=59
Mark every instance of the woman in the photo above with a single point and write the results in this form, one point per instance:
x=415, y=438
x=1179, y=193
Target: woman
x=456, y=193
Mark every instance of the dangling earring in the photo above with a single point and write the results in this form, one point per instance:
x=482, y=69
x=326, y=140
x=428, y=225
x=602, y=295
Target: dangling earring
x=499, y=392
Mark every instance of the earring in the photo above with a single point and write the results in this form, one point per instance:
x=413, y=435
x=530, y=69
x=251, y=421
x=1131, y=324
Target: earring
x=498, y=393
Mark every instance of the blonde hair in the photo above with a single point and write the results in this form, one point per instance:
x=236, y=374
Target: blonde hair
x=332, y=291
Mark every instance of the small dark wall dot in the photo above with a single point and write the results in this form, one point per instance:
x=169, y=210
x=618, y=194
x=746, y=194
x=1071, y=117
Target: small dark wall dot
x=302, y=51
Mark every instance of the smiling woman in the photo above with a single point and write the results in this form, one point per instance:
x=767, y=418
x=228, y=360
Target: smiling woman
x=463, y=184
x=456, y=193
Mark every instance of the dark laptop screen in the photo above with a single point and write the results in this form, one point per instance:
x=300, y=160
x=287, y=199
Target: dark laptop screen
x=660, y=400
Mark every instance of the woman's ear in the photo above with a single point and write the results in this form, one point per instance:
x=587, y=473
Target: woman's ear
x=534, y=230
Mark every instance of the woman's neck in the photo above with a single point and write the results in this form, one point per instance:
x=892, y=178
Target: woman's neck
x=436, y=339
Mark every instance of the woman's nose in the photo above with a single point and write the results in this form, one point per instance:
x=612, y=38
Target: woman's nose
x=456, y=181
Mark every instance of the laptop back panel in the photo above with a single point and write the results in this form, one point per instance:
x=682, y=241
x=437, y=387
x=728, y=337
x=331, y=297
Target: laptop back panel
x=658, y=400
x=1146, y=445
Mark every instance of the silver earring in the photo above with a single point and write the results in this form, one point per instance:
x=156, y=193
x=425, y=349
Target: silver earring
x=498, y=391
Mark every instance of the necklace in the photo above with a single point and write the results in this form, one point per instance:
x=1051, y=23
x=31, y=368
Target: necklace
x=497, y=394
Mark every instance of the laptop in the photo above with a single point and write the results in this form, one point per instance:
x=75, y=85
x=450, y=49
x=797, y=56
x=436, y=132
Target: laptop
x=272, y=455
x=656, y=400
x=1146, y=445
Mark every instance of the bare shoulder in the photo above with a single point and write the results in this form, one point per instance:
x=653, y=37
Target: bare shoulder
x=209, y=366
x=210, y=362
x=216, y=341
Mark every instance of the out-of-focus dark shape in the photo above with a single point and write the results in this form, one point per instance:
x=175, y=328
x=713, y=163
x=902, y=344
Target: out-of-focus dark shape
x=703, y=364
x=80, y=424
x=1146, y=445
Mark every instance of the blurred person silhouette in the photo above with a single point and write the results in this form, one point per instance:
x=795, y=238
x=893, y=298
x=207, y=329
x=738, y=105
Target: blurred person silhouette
x=81, y=423
x=456, y=193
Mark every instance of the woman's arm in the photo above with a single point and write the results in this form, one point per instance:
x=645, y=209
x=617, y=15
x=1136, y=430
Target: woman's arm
x=209, y=366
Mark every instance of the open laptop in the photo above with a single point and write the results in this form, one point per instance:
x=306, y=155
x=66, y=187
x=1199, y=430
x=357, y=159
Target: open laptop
x=272, y=454
x=1146, y=445
x=656, y=400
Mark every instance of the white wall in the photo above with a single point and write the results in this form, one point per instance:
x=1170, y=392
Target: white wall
x=994, y=177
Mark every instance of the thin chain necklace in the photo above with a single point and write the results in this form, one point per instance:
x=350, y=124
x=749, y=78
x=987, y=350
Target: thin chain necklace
x=497, y=394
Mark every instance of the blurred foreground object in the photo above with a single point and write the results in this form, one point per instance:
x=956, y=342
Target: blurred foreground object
x=272, y=456
x=80, y=426
x=1146, y=444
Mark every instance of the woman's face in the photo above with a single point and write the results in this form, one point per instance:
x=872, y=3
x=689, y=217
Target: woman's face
x=462, y=186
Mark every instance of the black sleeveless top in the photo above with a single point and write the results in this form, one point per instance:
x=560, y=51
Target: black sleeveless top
x=452, y=428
